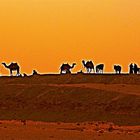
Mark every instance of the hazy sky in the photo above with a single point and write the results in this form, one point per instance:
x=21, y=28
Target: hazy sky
x=42, y=34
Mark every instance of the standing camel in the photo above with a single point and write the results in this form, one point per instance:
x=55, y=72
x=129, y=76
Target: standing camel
x=66, y=68
x=12, y=67
x=100, y=68
x=88, y=65
x=117, y=69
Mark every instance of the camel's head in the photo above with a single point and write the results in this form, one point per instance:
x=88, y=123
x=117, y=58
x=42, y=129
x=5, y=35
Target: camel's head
x=3, y=63
x=73, y=65
x=84, y=63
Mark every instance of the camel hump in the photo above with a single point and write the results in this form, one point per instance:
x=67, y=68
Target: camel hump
x=90, y=63
x=117, y=67
x=13, y=63
x=64, y=66
x=14, y=66
x=100, y=66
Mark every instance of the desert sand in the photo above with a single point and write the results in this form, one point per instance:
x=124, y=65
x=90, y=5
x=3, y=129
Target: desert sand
x=17, y=130
x=70, y=107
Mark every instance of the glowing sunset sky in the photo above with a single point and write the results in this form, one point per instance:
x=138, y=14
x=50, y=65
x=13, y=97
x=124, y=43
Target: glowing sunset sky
x=42, y=34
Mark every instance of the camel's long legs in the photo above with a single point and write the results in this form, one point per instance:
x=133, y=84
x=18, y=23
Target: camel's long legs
x=18, y=73
x=11, y=73
x=90, y=70
x=87, y=70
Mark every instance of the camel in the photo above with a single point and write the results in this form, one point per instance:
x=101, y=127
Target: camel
x=66, y=68
x=12, y=67
x=100, y=68
x=80, y=72
x=35, y=72
x=138, y=69
x=88, y=65
x=25, y=75
x=117, y=69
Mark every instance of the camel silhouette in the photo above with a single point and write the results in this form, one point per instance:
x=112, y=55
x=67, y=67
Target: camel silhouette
x=100, y=68
x=135, y=69
x=138, y=70
x=25, y=75
x=12, y=67
x=88, y=65
x=80, y=72
x=117, y=69
x=131, y=68
x=66, y=68
x=35, y=72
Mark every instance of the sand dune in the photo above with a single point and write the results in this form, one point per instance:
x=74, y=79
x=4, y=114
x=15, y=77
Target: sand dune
x=120, y=88
x=71, y=107
x=17, y=130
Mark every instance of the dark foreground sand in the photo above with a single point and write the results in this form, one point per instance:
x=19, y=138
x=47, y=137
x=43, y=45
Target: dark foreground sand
x=61, y=107
x=17, y=130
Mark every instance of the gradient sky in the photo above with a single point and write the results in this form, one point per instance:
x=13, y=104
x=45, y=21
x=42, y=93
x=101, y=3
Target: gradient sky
x=42, y=34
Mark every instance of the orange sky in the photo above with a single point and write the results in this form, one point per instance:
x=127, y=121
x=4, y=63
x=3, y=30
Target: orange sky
x=42, y=34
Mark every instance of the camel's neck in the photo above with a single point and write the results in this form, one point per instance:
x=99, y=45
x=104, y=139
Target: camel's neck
x=72, y=66
x=5, y=65
x=84, y=63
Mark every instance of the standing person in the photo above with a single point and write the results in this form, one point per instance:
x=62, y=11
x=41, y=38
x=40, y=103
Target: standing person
x=135, y=69
x=131, y=68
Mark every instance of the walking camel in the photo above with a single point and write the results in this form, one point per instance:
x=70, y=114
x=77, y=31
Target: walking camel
x=12, y=67
x=66, y=68
x=88, y=65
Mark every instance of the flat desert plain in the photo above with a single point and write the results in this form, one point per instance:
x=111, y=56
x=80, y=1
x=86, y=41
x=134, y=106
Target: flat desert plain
x=70, y=107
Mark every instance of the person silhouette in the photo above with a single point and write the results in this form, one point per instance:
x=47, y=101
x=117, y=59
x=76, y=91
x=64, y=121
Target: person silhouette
x=135, y=69
x=131, y=68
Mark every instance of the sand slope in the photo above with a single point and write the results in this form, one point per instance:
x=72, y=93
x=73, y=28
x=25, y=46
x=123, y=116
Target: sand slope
x=17, y=130
x=71, y=107
x=67, y=98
